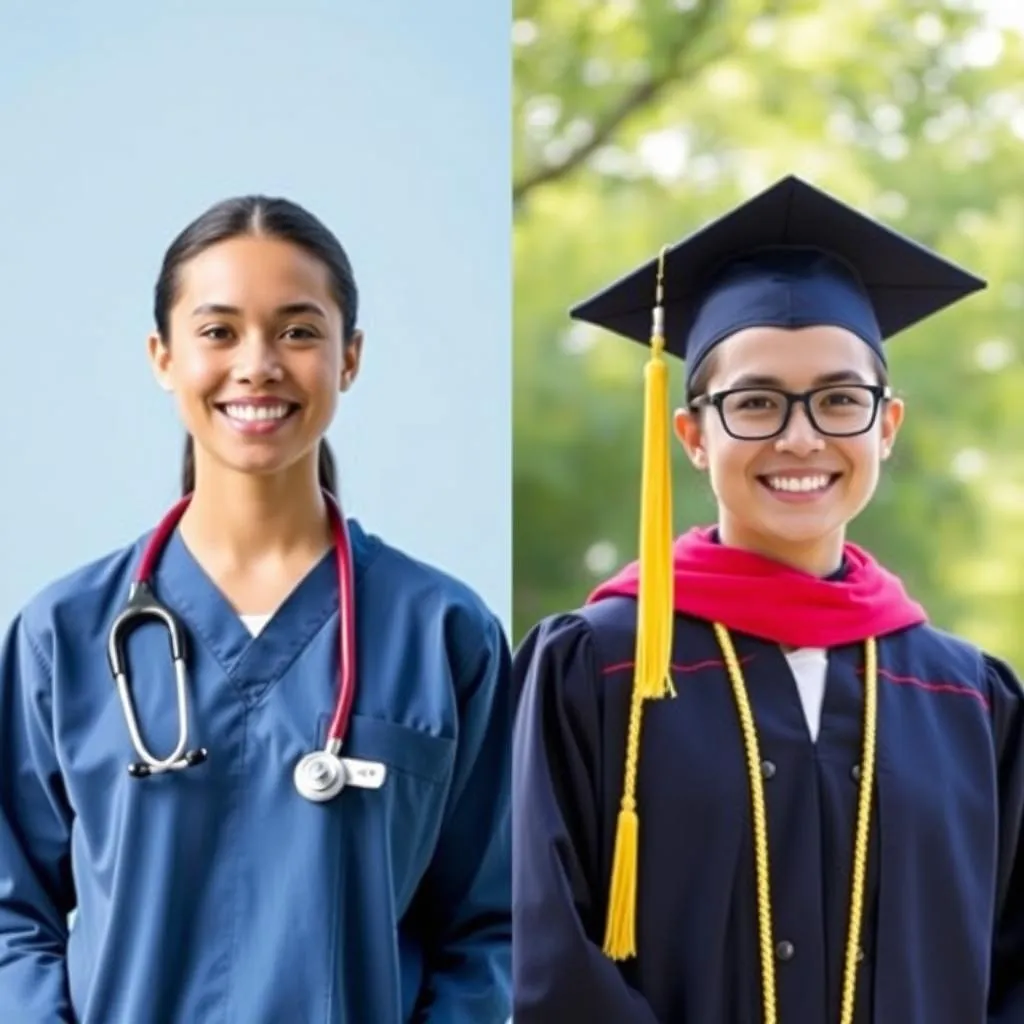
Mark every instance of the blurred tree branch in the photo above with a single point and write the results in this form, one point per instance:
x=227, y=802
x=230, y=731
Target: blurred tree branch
x=681, y=58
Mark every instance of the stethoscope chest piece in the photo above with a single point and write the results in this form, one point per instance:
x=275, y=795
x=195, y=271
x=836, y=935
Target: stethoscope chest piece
x=322, y=775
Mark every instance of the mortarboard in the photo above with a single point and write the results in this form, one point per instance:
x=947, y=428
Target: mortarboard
x=791, y=257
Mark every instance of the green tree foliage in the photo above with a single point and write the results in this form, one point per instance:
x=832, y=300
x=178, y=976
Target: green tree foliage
x=636, y=122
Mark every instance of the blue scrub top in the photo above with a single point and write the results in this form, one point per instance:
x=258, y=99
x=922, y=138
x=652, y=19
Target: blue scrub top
x=218, y=894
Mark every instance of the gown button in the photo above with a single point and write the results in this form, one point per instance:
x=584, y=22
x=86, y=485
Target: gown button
x=768, y=769
x=855, y=773
x=785, y=951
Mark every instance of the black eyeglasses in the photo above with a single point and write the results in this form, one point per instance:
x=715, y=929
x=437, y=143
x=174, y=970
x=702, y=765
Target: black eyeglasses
x=757, y=414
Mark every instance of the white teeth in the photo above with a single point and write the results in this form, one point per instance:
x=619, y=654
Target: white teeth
x=801, y=484
x=252, y=413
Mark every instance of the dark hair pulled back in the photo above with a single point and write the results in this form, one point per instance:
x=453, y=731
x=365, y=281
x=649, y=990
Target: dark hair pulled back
x=264, y=217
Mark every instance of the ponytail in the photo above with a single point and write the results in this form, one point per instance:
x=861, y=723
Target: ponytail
x=327, y=472
x=188, y=467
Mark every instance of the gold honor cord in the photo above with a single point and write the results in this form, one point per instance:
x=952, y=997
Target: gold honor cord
x=862, y=836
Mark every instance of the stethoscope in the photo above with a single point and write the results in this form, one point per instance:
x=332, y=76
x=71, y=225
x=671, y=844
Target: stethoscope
x=319, y=775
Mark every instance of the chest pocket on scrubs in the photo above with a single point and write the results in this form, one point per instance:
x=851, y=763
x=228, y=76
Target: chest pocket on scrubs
x=405, y=813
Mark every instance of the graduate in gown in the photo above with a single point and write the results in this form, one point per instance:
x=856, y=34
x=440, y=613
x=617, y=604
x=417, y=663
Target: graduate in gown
x=218, y=894
x=752, y=784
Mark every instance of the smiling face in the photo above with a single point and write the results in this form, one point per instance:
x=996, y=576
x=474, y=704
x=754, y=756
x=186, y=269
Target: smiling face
x=790, y=497
x=255, y=355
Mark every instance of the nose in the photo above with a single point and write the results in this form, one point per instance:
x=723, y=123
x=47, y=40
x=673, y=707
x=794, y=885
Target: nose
x=257, y=361
x=800, y=438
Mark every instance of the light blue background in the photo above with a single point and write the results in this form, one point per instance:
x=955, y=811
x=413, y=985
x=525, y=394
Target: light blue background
x=121, y=121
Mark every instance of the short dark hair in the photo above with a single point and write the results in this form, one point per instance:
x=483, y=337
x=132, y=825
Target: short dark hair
x=706, y=370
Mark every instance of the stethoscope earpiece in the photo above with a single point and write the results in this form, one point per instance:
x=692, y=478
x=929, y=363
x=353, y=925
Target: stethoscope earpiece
x=138, y=770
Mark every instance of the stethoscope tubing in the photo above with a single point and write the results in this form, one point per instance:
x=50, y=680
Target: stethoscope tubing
x=143, y=604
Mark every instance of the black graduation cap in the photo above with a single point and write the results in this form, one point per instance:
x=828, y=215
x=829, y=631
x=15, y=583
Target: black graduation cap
x=793, y=256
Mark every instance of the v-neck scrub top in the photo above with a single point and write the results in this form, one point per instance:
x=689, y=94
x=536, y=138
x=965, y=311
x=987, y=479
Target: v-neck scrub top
x=218, y=895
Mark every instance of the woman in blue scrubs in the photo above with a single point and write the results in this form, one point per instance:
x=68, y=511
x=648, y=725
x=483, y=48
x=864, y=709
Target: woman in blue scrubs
x=218, y=893
x=752, y=784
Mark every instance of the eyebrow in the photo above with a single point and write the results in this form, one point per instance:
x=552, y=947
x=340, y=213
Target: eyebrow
x=290, y=309
x=753, y=380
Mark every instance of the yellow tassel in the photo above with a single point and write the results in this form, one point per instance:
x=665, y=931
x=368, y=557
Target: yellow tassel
x=651, y=673
x=620, y=929
x=620, y=925
x=655, y=600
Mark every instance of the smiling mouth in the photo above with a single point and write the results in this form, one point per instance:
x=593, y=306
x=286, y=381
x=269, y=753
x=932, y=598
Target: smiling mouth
x=244, y=413
x=257, y=420
x=782, y=485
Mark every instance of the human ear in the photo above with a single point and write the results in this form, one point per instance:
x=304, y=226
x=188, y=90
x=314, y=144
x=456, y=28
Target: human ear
x=160, y=360
x=351, y=358
x=688, y=430
x=892, y=419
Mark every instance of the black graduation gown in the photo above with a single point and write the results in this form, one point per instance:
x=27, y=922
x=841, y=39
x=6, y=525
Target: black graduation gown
x=943, y=932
